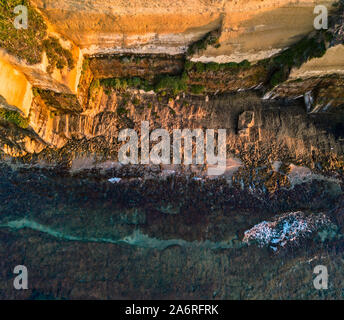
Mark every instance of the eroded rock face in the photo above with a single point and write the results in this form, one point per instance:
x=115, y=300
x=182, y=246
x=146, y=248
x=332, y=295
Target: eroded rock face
x=246, y=121
x=331, y=63
x=321, y=94
x=45, y=117
x=15, y=87
x=250, y=30
x=267, y=127
x=143, y=66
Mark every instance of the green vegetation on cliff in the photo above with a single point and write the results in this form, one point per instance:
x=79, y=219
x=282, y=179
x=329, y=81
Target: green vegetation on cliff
x=58, y=56
x=14, y=117
x=276, y=68
x=201, y=67
x=29, y=44
x=173, y=84
x=121, y=84
x=58, y=102
x=207, y=78
x=295, y=56
x=210, y=39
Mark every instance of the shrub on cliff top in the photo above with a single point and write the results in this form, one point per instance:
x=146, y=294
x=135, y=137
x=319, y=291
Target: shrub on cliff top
x=301, y=52
x=296, y=55
x=29, y=44
x=58, y=56
x=210, y=39
x=24, y=43
x=121, y=84
x=14, y=117
x=201, y=67
x=197, y=89
x=171, y=83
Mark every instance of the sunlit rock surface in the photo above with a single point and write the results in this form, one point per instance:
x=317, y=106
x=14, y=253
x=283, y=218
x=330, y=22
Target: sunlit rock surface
x=250, y=30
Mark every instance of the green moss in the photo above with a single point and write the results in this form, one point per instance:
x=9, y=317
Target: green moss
x=85, y=65
x=277, y=78
x=301, y=52
x=197, y=89
x=188, y=65
x=174, y=84
x=229, y=66
x=136, y=101
x=64, y=102
x=136, y=82
x=212, y=66
x=95, y=85
x=295, y=56
x=122, y=84
x=200, y=67
x=244, y=64
x=210, y=39
x=58, y=56
x=122, y=111
x=27, y=43
x=14, y=117
x=163, y=85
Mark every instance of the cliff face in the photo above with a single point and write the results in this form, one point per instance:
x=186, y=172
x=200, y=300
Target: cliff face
x=249, y=30
x=252, y=30
x=15, y=87
x=277, y=131
x=95, y=96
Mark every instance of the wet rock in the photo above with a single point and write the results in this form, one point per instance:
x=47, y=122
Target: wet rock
x=286, y=230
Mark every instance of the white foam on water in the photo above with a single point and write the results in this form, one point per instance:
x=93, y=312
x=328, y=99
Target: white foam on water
x=136, y=239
